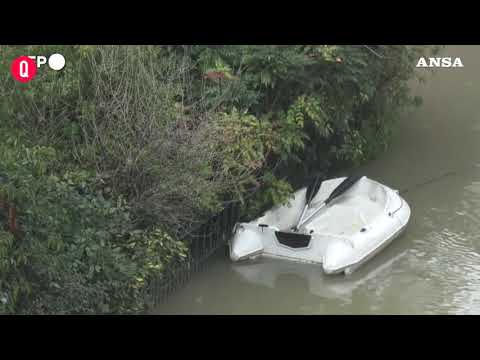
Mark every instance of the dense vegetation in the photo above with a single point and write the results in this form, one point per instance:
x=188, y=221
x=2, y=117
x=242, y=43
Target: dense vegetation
x=105, y=165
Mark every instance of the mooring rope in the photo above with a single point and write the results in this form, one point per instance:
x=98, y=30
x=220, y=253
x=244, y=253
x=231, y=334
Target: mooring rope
x=438, y=178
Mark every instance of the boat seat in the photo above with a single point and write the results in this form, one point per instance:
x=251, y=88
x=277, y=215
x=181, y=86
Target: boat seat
x=348, y=216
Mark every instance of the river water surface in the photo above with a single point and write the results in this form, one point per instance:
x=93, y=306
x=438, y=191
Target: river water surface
x=434, y=268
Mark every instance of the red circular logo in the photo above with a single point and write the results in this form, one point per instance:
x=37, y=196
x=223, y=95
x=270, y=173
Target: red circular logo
x=23, y=69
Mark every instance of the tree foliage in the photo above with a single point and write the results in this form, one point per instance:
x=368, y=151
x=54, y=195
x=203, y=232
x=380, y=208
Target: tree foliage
x=110, y=161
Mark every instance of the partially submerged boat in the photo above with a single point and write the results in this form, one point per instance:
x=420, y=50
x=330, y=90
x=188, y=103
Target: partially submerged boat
x=339, y=223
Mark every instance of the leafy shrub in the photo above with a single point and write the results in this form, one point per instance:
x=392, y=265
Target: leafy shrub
x=79, y=252
x=111, y=160
x=127, y=112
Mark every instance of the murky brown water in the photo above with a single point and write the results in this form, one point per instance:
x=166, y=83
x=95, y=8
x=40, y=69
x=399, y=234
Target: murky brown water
x=434, y=268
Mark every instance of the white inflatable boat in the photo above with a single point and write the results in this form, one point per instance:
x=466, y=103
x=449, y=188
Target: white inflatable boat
x=338, y=223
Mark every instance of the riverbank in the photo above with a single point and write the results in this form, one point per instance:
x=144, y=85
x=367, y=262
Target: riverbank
x=432, y=269
x=113, y=160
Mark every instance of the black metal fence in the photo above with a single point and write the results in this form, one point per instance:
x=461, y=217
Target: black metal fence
x=203, y=242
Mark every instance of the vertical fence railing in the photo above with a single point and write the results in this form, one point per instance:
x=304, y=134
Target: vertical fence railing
x=203, y=242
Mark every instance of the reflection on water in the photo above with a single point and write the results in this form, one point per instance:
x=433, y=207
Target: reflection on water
x=433, y=268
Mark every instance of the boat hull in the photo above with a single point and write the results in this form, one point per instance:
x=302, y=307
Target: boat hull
x=340, y=239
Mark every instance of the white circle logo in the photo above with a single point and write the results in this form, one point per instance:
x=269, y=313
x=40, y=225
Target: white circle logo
x=56, y=62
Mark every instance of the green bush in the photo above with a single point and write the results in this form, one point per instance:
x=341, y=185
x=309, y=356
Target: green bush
x=338, y=104
x=113, y=159
x=127, y=113
x=78, y=252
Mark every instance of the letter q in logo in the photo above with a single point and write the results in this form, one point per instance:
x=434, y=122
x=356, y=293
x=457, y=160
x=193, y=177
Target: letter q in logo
x=23, y=69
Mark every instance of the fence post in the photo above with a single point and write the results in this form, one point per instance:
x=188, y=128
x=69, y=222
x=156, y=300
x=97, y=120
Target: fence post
x=203, y=242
